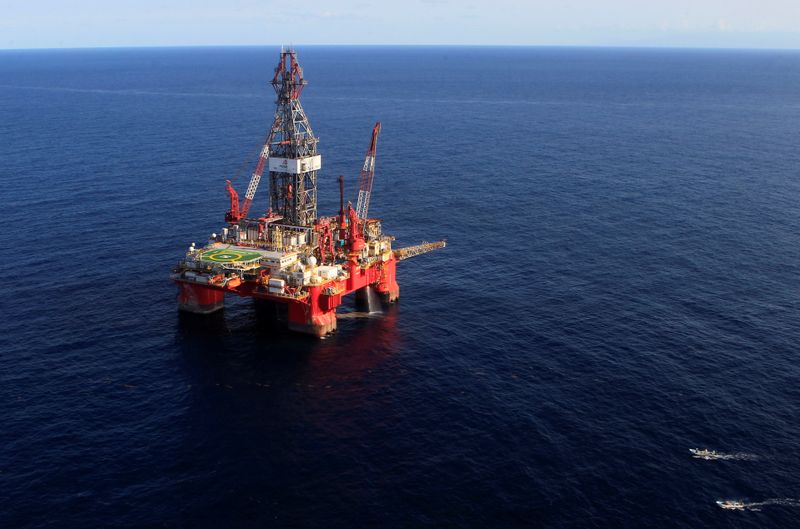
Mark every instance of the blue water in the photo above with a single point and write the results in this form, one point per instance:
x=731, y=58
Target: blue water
x=621, y=284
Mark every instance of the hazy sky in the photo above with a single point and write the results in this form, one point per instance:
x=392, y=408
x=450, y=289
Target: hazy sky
x=716, y=23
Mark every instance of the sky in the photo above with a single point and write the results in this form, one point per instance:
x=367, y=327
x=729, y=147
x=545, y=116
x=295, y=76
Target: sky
x=682, y=23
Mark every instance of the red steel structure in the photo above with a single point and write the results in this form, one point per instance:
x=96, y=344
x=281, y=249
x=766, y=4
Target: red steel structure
x=289, y=259
x=367, y=175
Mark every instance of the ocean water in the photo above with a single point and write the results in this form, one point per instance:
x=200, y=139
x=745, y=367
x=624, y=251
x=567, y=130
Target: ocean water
x=621, y=284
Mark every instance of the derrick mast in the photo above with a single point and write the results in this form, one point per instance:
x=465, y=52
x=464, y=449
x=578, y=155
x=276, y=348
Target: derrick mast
x=293, y=158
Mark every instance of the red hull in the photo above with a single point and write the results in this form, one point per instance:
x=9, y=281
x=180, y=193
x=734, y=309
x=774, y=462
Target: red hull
x=199, y=299
x=314, y=313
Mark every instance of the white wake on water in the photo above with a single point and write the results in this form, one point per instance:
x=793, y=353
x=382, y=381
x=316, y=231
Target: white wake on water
x=710, y=455
x=356, y=315
x=737, y=505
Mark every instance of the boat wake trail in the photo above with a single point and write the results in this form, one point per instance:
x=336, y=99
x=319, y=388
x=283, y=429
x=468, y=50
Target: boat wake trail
x=709, y=455
x=736, y=505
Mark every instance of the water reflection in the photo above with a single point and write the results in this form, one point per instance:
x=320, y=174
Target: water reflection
x=267, y=410
x=263, y=384
x=246, y=345
x=202, y=324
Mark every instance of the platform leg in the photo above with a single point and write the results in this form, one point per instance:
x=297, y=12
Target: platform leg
x=199, y=299
x=301, y=319
x=310, y=317
x=387, y=287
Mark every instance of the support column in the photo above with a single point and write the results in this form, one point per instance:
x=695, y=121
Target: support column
x=310, y=317
x=387, y=287
x=199, y=299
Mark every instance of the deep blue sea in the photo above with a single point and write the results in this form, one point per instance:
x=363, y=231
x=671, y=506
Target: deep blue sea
x=621, y=284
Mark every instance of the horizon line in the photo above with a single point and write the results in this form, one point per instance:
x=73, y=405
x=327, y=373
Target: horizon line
x=581, y=46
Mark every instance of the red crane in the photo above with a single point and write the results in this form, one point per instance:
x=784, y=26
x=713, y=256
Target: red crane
x=233, y=214
x=367, y=175
x=236, y=213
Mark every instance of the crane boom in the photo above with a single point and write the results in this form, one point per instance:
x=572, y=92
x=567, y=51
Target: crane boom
x=256, y=177
x=233, y=214
x=367, y=175
x=237, y=212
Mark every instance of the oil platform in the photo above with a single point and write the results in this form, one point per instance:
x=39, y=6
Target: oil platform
x=298, y=264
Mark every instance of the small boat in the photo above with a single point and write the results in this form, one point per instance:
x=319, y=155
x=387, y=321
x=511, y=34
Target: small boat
x=732, y=505
x=705, y=454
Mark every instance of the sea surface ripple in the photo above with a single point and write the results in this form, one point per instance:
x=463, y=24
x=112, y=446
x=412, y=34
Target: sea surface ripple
x=620, y=285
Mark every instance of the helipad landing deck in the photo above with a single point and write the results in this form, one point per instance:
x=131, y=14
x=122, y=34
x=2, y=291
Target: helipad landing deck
x=232, y=254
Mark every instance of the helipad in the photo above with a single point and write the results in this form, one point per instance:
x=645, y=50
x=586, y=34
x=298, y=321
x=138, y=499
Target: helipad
x=231, y=254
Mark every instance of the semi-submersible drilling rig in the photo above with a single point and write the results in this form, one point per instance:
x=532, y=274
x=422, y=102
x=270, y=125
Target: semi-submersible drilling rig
x=290, y=258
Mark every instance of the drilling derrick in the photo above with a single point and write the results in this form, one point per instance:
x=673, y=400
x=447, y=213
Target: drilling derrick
x=289, y=154
x=293, y=158
x=298, y=264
